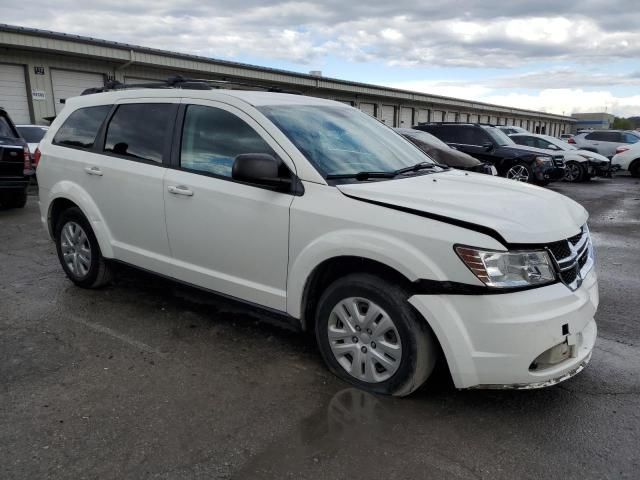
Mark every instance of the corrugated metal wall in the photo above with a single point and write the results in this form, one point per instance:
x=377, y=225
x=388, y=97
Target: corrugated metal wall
x=394, y=107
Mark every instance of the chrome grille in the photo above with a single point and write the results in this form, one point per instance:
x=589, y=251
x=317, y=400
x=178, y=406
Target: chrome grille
x=573, y=258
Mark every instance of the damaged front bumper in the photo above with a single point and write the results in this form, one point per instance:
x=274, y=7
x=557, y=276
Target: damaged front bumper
x=527, y=339
x=533, y=386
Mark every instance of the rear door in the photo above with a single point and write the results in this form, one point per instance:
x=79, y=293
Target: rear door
x=227, y=236
x=125, y=179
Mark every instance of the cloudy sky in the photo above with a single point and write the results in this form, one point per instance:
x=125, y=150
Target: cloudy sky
x=560, y=56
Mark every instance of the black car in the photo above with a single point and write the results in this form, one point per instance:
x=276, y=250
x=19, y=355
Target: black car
x=15, y=164
x=443, y=153
x=488, y=143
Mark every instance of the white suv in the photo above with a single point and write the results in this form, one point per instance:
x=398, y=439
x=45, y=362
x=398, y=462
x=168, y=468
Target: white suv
x=312, y=209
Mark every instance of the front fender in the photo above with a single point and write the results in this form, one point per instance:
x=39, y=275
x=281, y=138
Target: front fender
x=390, y=251
x=76, y=194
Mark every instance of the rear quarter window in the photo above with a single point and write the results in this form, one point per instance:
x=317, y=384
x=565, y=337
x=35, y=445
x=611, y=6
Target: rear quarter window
x=79, y=130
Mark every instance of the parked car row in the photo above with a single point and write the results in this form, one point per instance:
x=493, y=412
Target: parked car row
x=580, y=165
x=488, y=143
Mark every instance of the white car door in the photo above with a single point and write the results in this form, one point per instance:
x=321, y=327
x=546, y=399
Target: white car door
x=125, y=179
x=226, y=236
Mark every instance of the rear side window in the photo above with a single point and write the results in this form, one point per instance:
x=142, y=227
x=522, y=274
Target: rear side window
x=474, y=136
x=444, y=133
x=140, y=130
x=81, y=127
x=630, y=138
x=212, y=138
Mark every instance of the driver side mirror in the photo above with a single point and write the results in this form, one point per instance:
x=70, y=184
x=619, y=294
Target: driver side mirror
x=551, y=146
x=260, y=169
x=488, y=146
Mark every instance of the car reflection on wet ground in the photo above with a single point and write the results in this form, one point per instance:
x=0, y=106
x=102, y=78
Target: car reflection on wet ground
x=149, y=379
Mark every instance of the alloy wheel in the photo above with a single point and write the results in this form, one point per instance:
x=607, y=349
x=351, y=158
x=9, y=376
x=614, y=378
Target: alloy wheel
x=364, y=340
x=572, y=173
x=76, y=249
x=518, y=173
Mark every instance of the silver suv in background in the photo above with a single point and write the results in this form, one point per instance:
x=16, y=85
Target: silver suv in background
x=604, y=142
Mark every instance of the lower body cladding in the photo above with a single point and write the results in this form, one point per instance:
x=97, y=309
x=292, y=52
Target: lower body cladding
x=527, y=339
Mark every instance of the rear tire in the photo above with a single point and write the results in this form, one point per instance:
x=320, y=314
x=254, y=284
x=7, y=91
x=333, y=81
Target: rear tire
x=634, y=168
x=574, y=172
x=79, y=252
x=370, y=336
x=14, y=199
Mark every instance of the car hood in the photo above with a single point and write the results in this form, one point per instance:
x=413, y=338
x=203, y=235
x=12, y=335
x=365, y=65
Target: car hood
x=520, y=213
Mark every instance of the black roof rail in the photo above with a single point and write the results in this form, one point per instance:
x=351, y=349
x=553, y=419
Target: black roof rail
x=179, y=81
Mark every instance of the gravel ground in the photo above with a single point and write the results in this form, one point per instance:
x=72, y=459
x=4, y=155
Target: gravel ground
x=149, y=379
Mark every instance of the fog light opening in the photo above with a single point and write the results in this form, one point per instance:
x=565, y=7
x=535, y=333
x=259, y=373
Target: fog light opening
x=553, y=356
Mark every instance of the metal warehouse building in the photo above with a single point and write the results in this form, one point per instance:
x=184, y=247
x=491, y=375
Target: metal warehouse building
x=40, y=69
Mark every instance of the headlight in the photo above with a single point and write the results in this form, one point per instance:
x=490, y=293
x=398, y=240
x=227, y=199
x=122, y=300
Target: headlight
x=508, y=269
x=543, y=160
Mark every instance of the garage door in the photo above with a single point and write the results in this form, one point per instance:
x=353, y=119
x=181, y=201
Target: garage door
x=388, y=115
x=406, y=117
x=474, y=118
x=68, y=84
x=13, y=93
x=437, y=116
x=368, y=108
x=451, y=117
x=423, y=115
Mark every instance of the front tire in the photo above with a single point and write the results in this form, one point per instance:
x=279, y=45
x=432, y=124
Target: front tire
x=520, y=172
x=574, y=172
x=79, y=252
x=371, y=337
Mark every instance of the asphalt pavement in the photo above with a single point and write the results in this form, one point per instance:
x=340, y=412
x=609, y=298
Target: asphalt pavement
x=150, y=379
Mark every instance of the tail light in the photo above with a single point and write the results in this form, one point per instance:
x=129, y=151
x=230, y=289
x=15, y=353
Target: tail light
x=621, y=149
x=36, y=157
x=27, y=169
x=571, y=140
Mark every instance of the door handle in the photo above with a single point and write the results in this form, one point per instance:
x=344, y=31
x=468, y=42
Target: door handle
x=180, y=190
x=93, y=171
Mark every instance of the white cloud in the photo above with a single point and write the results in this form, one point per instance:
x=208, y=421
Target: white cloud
x=470, y=33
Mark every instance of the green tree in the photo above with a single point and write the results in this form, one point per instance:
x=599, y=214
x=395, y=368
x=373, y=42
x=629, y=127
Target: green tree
x=620, y=123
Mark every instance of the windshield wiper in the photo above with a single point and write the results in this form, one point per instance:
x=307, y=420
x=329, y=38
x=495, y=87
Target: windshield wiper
x=362, y=175
x=419, y=166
